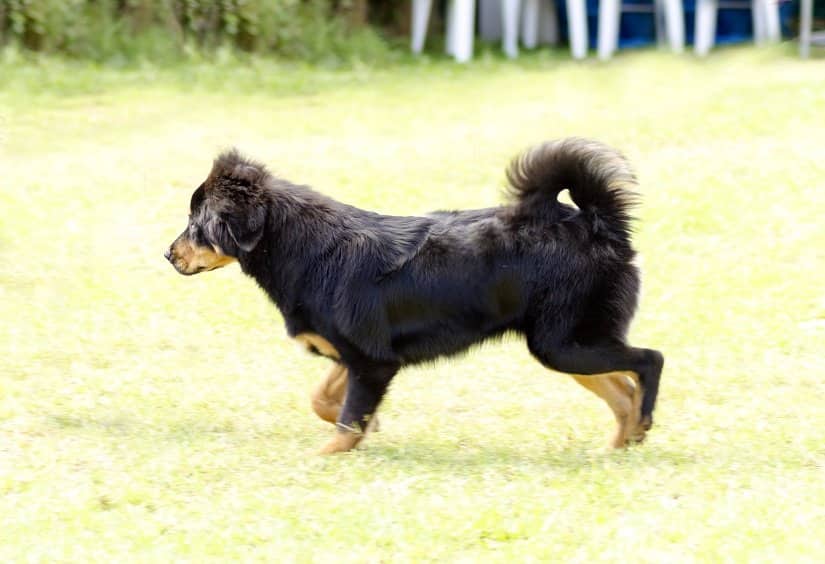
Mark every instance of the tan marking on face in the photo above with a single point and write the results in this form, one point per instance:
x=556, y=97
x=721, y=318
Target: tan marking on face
x=190, y=258
x=316, y=343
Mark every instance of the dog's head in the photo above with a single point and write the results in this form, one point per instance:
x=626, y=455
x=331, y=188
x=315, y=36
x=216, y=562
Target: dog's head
x=227, y=216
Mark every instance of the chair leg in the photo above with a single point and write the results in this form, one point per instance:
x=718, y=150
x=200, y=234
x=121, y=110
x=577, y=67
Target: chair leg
x=420, y=18
x=449, y=31
x=463, y=24
x=577, y=28
x=530, y=23
x=509, y=27
x=705, y=26
x=773, y=33
x=609, y=14
x=660, y=23
x=806, y=16
x=675, y=25
x=758, y=16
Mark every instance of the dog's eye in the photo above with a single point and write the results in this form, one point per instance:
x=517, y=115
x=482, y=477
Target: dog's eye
x=197, y=234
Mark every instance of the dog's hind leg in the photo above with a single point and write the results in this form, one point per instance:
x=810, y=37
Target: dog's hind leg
x=600, y=359
x=366, y=387
x=328, y=397
x=623, y=398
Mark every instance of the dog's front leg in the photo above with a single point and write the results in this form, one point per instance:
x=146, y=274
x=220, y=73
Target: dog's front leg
x=329, y=395
x=365, y=389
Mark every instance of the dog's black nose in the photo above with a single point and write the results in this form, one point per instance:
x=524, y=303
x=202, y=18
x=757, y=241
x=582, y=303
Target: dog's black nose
x=168, y=255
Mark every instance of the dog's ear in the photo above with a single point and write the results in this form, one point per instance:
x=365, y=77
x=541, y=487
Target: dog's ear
x=246, y=230
x=234, y=233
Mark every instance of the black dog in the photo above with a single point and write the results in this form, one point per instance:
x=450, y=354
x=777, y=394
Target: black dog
x=376, y=292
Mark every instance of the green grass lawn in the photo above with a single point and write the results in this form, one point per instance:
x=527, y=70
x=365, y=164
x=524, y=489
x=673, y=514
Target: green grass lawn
x=146, y=416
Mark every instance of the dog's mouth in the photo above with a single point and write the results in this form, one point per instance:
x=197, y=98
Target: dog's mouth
x=184, y=272
x=197, y=270
x=183, y=269
x=197, y=260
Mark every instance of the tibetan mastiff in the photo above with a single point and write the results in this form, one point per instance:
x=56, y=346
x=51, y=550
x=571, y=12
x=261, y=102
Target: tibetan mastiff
x=375, y=293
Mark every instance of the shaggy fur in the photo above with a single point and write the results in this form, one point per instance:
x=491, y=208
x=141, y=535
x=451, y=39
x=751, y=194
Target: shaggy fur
x=376, y=292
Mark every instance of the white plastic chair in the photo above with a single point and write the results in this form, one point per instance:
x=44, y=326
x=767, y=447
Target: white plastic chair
x=460, y=27
x=539, y=21
x=670, y=24
x=765, y=15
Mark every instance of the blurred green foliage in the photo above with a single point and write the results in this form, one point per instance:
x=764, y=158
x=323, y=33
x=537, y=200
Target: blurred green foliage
x=128, y=30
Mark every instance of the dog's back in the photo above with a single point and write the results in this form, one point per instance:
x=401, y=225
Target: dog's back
x=476, y=274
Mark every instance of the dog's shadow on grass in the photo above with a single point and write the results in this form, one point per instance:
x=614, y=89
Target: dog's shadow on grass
x=572, y=456
x=413, y=456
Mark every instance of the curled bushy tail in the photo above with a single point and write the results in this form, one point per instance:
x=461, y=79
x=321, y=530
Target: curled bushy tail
x=598, y=177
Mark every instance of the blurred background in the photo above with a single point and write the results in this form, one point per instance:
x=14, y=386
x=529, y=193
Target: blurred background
x=373, y=30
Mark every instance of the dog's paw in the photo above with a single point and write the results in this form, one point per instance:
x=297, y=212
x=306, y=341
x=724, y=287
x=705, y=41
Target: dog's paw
x=638, y=433
x=342, y=441
x=629, y=434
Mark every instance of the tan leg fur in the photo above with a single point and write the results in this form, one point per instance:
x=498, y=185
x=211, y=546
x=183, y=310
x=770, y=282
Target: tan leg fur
x=623, y=398
x=327, y=400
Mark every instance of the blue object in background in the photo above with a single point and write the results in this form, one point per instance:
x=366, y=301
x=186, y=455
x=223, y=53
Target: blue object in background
x=788, y=10
x=638, y=29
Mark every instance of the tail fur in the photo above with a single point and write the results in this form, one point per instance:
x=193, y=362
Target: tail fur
x=598, y=177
